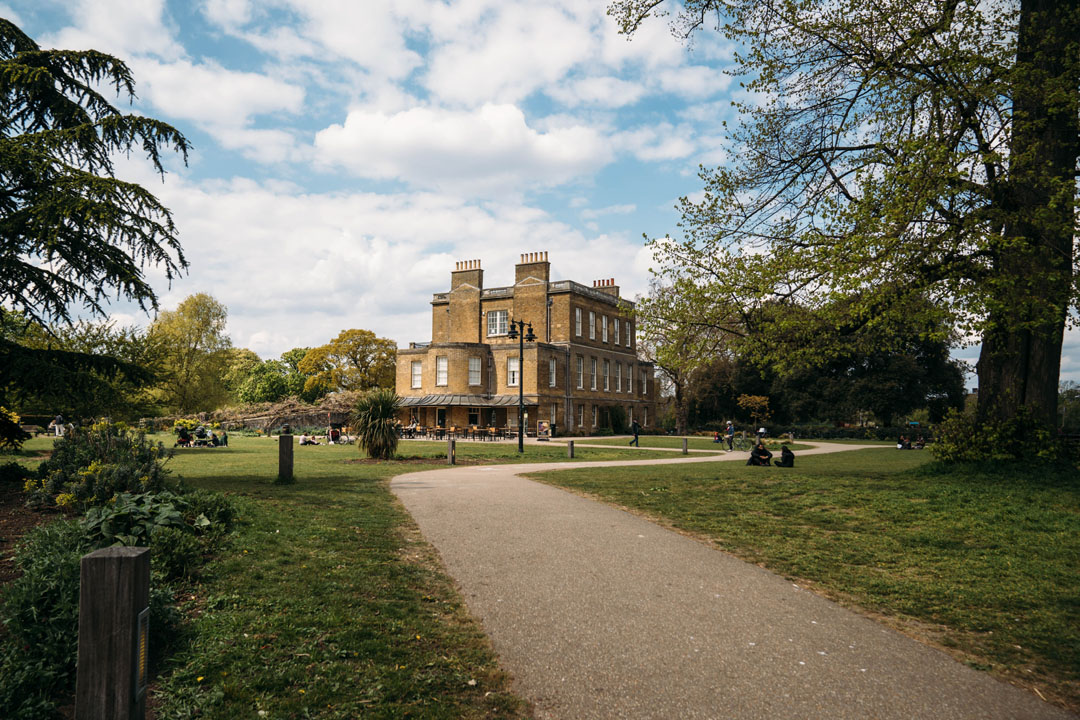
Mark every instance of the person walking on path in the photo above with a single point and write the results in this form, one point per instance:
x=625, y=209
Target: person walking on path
x=636, y=429
x=729, y=433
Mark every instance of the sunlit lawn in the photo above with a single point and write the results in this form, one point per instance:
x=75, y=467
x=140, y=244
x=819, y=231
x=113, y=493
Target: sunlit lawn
x=327, y=604
x=675, y=443
x=986, y=565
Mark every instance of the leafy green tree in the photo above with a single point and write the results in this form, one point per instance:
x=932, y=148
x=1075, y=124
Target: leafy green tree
x=374, y=421
x=893, y=150
x=196, y=353
x=72, y=232
x=267, y=382
x=680, y=345
x=82, y=370
x=354, y=360
x=240, y=363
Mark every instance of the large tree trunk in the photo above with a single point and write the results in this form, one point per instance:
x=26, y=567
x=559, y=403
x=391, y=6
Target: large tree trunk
x=1021, y=352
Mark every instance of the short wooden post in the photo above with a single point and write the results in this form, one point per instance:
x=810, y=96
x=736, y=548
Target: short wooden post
x=684, y=448
x=570, y=449
x=114, y=598
x=285, y=458
x=451, y=451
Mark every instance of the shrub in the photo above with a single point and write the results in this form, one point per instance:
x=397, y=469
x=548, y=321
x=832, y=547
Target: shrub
x=173, y=552
x=15, y=473
x=89, y=466
x=41, y=613
x=12, y=436
x=374, y=422
x=961, y=438
x=132, y=519
x=214, y=506
x=40, y=610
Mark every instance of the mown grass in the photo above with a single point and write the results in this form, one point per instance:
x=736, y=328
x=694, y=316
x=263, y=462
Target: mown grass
x=983, y=563
x=693, y=443
x=327, y=604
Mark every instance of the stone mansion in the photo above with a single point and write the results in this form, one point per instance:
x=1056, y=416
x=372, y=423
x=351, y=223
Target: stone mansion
x=582, y=363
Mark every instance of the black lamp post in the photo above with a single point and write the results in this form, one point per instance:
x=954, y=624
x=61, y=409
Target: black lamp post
x=518, y=332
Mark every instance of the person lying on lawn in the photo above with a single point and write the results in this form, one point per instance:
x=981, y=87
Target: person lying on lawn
x=759, y=455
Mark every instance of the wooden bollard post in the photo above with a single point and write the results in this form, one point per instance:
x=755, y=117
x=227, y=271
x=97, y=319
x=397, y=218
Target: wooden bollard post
x=451, y=451
x=685, y=451
x=114, y=623
x=285, y=458
x=570, y=449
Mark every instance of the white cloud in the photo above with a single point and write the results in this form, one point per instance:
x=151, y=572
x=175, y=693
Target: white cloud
x=660, y=142
x=294, y=269
x=117, y=27
x=609, y=210
x=212, y=95
x=504, y=58
x=491, y=149
x=610, y=92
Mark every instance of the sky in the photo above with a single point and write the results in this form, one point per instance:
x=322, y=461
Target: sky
x=347, y=154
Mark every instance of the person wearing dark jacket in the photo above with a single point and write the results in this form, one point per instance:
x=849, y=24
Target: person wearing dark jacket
x=787, y=458
x=759, y=455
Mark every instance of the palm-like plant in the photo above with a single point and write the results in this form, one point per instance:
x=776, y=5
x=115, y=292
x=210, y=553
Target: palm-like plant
x=374, y=422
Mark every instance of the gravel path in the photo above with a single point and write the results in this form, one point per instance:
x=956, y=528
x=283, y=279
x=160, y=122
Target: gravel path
x=598, y=613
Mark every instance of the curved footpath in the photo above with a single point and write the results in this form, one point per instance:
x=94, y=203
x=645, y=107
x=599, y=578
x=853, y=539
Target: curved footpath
x=598, y=613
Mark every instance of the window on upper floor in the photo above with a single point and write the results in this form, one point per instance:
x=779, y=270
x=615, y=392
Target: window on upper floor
x=629, y=332
x=512, y=374
x=474, y=372
x=497, y=322
x=618, y=377
x=552, y=367
x=440, y=371
x=629, y=378
x=607, y=375
x=417, y=373
x=644, y=387
x=592, y=325
x=577, y=321
x=592, y=376
x=580, y=372
x=616, y=340
x=603, y=327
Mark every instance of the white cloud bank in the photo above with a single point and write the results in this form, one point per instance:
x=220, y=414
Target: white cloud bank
x=490, y=150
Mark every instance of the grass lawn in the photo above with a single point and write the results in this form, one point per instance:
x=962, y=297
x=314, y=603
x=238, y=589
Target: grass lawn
x=985, y=565
x=506, y=452
x=327, y=604
x=693, y=443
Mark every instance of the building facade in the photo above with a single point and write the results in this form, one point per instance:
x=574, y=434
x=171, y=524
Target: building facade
x=582, y=364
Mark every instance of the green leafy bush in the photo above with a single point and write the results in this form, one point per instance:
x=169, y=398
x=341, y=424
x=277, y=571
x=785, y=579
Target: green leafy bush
x=215, y=507
x=89, y=466
x=41, y=614
x=15, y=473
x=174, y=552
x=961, y=438
x=12, y=436
x=131, y=519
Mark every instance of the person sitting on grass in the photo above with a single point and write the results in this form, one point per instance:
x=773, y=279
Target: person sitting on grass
x=759, y=455
x=183, y=437
x=787, y=458
x=305, y=440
